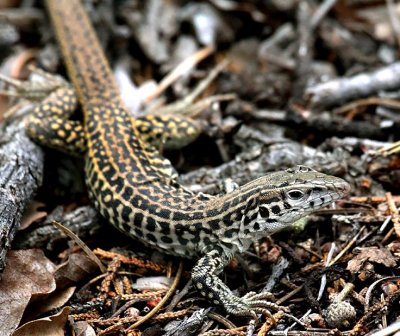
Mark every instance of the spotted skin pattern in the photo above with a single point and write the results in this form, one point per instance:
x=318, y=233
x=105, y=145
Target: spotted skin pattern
x=133, y=187
x=50, y=126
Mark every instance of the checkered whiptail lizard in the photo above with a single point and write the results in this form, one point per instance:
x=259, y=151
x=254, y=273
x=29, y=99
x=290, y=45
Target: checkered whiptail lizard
x=131, y=184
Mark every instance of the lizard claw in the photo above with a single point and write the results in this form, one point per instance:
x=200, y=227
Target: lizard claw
x=252, y=304
x=252, y=296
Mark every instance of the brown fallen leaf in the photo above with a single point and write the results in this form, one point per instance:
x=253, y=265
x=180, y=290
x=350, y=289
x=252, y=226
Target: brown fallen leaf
x=82, y=328
x=27, y=272
x=78, y=267
x=32, y=214
x=40, y=304
x=48, y=326
x=373, y=255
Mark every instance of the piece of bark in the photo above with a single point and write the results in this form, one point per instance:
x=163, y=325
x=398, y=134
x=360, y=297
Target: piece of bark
x=340, y=90
x=84, y=221
x=188, y=326
x=21, y=172
x=305, y=50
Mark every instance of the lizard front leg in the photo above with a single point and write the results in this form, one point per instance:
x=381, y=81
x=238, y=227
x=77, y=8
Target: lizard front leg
x=205, y=279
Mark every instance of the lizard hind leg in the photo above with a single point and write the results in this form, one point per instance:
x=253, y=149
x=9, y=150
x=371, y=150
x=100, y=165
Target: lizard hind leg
x=49, y=125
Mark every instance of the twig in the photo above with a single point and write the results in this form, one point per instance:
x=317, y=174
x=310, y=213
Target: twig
x=394, y=22
x=83, y=246
x=178, y=296
x=222, y=320
x=373, y=199
x=393, y=103
x=394, y=213
x=340, y=90
x=347, y=247
x=162, y=302
x=321, y=11
x=180, y=70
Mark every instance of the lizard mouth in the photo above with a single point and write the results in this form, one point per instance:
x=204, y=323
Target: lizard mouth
x=331, y=194
x=343, y=188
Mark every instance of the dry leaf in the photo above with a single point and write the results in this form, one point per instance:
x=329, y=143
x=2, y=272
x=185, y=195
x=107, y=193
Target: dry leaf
x=373, y=255
x=45, y=303
x=32, y=214
x=27, y=272
x=48, y=326
x=82, y=328
x=76, y=269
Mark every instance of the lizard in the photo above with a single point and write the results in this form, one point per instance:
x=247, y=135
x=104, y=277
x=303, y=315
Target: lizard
x=134, y=188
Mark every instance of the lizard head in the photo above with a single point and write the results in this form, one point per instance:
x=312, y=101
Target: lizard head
x=289, y=195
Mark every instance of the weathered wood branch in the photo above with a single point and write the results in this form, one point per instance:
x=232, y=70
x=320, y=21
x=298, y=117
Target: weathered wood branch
x=21, y=172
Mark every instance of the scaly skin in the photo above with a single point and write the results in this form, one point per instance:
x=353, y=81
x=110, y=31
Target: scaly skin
x=133, y=188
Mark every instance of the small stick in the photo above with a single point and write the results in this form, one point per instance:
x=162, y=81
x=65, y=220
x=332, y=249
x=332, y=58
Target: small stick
x=84, y=247
x=394, y=212
x=162, y=302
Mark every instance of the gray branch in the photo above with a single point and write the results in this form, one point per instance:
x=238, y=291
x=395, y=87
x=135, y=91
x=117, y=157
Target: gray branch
x=340, y=90
x=21, y=172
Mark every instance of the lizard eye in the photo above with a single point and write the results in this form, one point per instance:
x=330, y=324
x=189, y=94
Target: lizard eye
x=295, y=194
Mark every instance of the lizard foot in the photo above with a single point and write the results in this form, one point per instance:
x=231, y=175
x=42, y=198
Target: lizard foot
x=252, y=304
